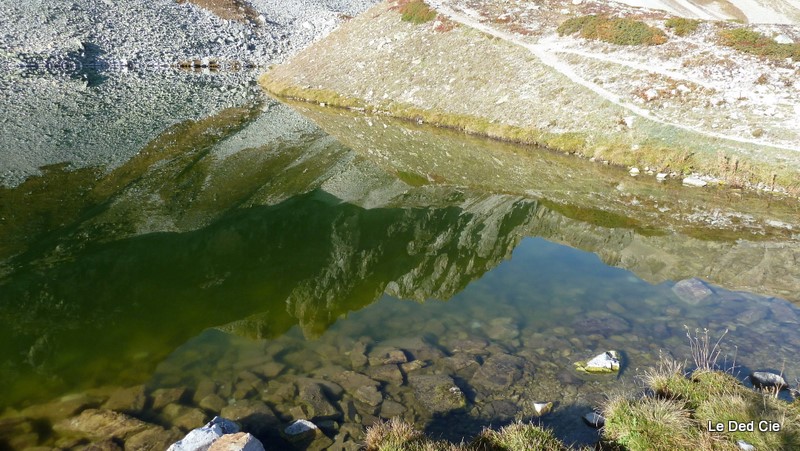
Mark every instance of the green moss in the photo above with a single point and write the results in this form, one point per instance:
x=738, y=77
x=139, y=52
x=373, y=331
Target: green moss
x=416, y=11
x=620, y=31
x=682, y=26
x=755, y=43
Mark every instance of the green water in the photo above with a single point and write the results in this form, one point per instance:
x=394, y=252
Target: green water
x=251, y=271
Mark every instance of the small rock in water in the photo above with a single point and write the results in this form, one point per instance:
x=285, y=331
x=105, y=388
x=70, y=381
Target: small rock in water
x=692, y=291
x=743, y=445
x=764, y=379
x=694, y=181
x=594, y=420
x=542, y=408
x=607, y=362
x=300, y=430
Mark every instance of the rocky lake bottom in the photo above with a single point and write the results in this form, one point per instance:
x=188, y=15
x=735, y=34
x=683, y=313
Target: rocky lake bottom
x=250, y=265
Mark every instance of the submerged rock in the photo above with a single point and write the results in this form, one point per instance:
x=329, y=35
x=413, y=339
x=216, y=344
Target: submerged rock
x=498, y=372
x=607, y=362
x=594, y=419
x=765, y=379
x=303, y=434
x=100, y=424
x=603, y=323
x=692, y=291
x=437, y=393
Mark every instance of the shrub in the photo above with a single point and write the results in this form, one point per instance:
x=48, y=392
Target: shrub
x=682, y=26
x=415, y=11
x=620, y=31
x=755, y=43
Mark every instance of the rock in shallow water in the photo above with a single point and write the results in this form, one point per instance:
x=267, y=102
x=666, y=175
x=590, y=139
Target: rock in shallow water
x=607, y=362
x=764, y=379
x=594, y=420
x=437, y=392
x=692, y=291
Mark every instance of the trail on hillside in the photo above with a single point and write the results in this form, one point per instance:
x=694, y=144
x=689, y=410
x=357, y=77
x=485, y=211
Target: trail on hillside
x=545, y=52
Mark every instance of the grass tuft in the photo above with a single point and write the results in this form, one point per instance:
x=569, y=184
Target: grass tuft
x=620, y=31
x=755, y=43
x=517, y=437
x=682, y=26
x=415, y=11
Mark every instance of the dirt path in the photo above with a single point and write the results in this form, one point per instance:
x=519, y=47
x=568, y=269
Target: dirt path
x=545, y=52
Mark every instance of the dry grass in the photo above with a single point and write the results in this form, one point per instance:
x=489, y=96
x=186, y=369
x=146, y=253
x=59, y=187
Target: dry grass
x=755, y=43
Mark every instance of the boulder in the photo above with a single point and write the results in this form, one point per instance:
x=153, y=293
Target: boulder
x=437, y=393
x=502, y=329
x=241, y=441
x=607, y=362
x=764, y=379
x=65, y=407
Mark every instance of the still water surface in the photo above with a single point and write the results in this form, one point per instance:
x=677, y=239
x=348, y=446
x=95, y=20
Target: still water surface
x=238, y=262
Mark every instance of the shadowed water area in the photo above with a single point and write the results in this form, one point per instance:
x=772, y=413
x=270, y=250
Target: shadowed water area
x=266, y=264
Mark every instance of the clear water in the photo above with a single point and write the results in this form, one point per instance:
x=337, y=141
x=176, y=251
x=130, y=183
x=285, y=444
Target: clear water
x=249, y=271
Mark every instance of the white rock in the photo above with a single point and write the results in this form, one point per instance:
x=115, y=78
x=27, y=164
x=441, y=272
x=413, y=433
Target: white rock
x=634, y=172
x=743, y=445
x=694, y=181
x=783, y=39
x=200, y=439
x=661, y=176
x=608, y=360
x=542, y=408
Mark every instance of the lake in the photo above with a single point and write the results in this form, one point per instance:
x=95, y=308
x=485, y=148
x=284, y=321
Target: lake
x=273, y=261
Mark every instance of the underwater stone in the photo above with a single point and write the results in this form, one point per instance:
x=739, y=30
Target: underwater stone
x=692, y=291
x=301, y=431
x=437, y=392
x=607, y=362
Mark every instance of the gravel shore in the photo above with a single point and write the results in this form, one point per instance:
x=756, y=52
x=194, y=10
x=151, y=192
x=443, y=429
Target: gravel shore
x=50, y=113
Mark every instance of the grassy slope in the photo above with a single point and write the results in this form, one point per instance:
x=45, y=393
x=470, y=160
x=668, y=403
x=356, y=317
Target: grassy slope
x=470, y=81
